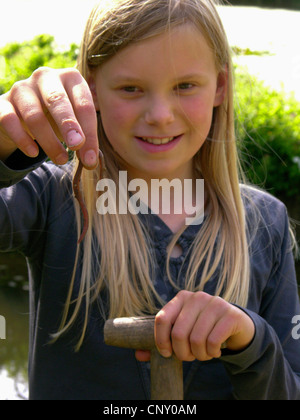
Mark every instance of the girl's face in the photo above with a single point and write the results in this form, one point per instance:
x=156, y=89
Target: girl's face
x=156, y=100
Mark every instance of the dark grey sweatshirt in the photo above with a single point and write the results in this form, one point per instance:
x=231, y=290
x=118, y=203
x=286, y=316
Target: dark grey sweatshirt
x=37, y=219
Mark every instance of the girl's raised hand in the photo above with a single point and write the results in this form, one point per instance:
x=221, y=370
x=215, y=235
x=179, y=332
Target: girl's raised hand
x=196, y=326
x=51, y=107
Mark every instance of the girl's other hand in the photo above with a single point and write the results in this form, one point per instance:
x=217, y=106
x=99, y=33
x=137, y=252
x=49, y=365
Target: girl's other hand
x=196, y=326
x=51, y=107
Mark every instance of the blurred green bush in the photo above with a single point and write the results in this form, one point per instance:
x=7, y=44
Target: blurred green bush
x=268, y=132
x=19, y=60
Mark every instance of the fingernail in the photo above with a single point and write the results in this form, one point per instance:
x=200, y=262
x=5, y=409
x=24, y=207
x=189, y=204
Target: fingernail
x=165, y=353
x=32, y=151
x=74, y=138
x=90, y=158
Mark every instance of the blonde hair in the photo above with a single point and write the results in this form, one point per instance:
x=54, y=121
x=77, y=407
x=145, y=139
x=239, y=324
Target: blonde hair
x=117, y=257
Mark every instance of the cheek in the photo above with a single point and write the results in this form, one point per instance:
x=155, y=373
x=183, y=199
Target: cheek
x=117, y=120
x=115, y=115
x=199, y=112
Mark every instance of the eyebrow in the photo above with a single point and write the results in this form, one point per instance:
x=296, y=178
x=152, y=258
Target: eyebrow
x=122, y=78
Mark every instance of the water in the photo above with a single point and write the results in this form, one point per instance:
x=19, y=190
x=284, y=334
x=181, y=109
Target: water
x=14, y=348
x=276, y=31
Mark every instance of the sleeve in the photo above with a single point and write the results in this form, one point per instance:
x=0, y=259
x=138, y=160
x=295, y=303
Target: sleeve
x=17, y=166
x=269, y=369
x=27, y=189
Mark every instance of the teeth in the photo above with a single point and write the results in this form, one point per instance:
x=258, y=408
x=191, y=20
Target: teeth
x=158, y=141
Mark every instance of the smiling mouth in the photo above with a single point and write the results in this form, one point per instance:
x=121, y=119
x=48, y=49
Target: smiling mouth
x=158, y=141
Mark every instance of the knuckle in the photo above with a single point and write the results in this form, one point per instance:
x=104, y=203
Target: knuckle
x=67, y=124
x=40, y=72
x=71, y=74
x=16, y=88
x=203, y=295
x=232, y=314
x=71, y=71
x=54, y=98
x=7, y=118
x=184, y=294
x=33, y=117
x=218, y=299
x=85, y=105
x=200, y=298
x=200, y=295
x=218, y=303
x=161, y=318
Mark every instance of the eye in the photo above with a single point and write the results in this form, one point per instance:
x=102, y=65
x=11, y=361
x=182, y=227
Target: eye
x=131, y=89
x=185, y=86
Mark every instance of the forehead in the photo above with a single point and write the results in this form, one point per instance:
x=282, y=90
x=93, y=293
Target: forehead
x=182, y=49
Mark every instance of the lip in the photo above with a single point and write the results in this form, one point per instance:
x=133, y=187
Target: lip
x=157, y=148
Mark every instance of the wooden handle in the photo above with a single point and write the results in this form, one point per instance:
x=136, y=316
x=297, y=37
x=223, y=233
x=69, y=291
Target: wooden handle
x=166, y=377
x=133, y=333
x=138, y=333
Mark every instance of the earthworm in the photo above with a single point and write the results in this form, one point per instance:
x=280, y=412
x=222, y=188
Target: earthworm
x=78, y=194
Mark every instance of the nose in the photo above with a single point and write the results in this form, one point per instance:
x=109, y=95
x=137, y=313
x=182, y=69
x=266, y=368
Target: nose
x=159, y=112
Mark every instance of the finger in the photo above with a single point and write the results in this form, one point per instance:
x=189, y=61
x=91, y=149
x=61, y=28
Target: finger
x=143, y=355
x=205, y=339
x=164, y=322
x=31, y=113
x=185, y=324
x=13, y=134
x=218, y=336
x=84, y=109
x=57, y=102
x=199, y=339
x=235, y=328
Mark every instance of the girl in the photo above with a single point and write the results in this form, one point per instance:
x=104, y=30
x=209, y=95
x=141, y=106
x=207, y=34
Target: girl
x=159, y=76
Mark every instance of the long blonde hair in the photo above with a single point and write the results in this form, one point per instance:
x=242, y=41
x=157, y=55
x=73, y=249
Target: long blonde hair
x=116, y=253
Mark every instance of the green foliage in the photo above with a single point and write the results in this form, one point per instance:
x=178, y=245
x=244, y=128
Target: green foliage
x=18, y=61
x=268, y=130
x=247, y=51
